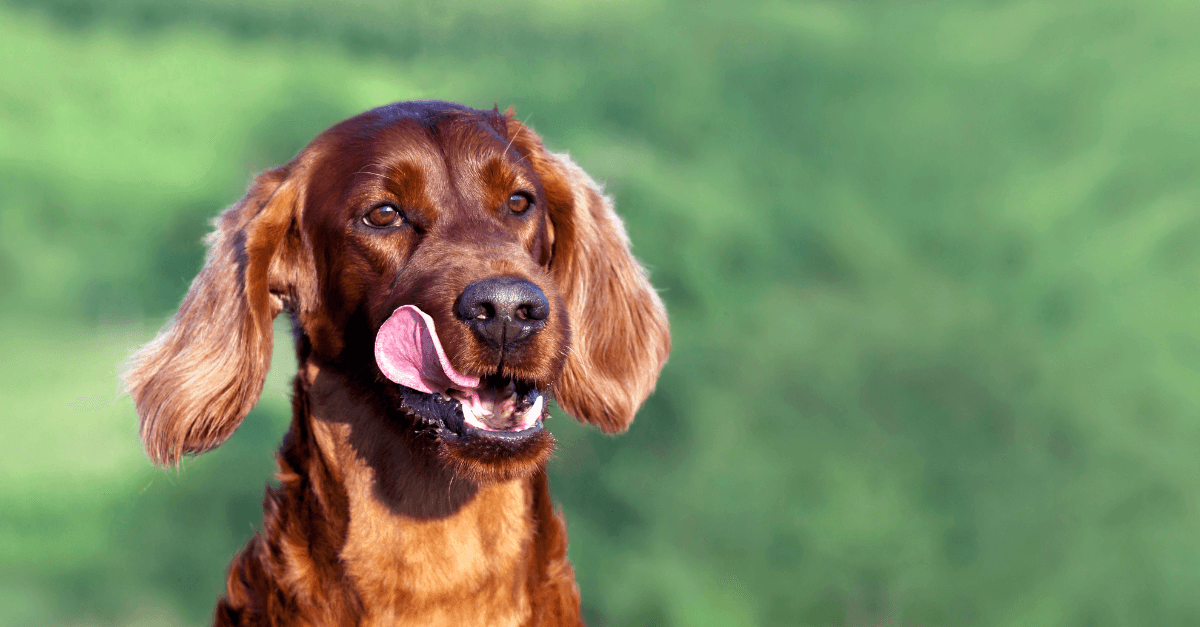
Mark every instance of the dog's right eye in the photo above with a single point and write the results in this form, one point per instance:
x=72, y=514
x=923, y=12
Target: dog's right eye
x=383, y=215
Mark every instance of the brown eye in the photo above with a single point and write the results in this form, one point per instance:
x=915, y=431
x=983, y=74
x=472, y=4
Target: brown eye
x=518, y=203
x=381, y=216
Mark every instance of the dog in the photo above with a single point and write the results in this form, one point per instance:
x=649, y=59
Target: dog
x=446, y=276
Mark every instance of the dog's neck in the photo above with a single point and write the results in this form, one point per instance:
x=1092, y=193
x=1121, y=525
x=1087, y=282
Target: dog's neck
x=415, y=538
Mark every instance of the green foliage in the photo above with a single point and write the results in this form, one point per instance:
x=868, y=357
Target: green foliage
x=928, y=267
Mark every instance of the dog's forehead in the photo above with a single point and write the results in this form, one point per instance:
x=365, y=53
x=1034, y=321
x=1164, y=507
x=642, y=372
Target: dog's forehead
x=454, y=143
x=461, y=155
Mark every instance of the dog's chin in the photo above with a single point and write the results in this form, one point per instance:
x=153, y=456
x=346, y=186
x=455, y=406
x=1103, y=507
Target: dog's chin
x=508, y=445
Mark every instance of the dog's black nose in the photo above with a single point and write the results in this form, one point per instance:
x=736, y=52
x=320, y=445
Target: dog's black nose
x=503, y=312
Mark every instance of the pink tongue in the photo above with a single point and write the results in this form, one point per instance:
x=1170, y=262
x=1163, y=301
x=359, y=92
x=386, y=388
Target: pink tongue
x=409, y=352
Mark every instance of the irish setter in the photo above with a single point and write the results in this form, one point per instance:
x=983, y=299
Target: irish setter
x=445, y=275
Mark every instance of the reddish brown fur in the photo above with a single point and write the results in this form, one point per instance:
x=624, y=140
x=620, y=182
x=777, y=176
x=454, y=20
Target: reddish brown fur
x=375, y=521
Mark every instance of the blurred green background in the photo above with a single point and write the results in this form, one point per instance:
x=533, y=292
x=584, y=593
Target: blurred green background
x=931, y=269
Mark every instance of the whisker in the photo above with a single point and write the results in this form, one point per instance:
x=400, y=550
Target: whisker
x=517, y=134
x=386, y=178
x=511, y=140
x=379, y=164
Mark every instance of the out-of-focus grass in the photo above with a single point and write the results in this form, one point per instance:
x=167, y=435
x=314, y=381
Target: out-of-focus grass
x=930, y=268
x=90, y=531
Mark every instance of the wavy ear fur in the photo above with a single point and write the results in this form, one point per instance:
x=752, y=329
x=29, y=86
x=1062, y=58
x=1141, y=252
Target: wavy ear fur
x=196, y=381
x=619, y=331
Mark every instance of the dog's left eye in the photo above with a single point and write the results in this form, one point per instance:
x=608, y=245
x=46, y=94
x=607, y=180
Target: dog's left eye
x=381, y=216
x=518, y=203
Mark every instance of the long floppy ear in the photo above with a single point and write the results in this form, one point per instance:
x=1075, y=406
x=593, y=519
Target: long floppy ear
x=619, y=333
x=196, y=381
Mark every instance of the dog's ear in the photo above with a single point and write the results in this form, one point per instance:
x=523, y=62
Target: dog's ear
x=196, y=381
x=619, y=332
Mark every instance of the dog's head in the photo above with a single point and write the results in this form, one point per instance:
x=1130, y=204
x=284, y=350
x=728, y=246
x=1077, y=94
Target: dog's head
x=443, y=259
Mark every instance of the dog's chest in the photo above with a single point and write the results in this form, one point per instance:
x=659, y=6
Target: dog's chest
x=465, y=569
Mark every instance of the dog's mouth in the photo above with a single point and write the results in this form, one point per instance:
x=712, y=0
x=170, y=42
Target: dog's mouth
x=501, y=405
x=501, y=408
x=409, y=353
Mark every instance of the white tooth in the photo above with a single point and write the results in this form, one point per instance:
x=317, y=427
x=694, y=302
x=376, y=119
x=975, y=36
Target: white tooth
x=533, y=414
x=471, y=416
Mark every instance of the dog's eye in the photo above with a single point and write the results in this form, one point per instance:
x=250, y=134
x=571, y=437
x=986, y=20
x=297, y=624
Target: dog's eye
x=518, y=203
x=383, y=215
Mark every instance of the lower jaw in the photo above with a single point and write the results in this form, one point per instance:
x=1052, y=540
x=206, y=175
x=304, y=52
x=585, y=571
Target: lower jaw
x=486, y=456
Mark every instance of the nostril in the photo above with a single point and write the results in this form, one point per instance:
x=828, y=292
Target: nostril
x=503, y=310
x=538, y=309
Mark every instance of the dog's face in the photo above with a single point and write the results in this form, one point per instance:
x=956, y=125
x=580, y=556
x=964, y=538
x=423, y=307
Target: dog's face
x=518, y=269
x=444, y=210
